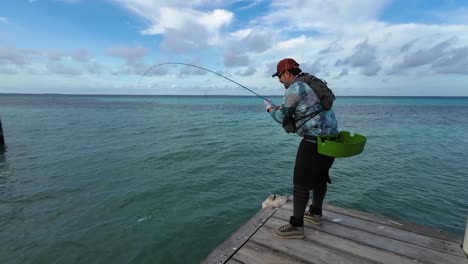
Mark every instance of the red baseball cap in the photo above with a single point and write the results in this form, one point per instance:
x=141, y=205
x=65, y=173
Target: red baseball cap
x=285, y=64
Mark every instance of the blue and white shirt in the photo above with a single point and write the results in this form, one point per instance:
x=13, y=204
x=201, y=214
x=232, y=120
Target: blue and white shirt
x=303, y=98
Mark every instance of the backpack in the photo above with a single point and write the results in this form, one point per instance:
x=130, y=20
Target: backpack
x=320, y=87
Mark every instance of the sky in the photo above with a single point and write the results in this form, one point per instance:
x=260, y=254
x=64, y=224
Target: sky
x=360, y=47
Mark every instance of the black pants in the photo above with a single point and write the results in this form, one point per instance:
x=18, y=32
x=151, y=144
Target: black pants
x=310, y=173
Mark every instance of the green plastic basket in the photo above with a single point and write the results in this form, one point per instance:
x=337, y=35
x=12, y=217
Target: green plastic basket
x=341, y=145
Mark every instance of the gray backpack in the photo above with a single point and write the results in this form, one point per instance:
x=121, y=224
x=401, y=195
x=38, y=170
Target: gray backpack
x=320, y=87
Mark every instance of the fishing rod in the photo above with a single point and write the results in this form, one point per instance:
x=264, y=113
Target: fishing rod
x=199, y=67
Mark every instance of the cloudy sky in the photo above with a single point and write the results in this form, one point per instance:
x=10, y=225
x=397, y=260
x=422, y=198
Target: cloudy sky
x=360, y=47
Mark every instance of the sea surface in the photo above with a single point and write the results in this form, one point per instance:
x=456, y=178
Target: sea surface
x=165, y=179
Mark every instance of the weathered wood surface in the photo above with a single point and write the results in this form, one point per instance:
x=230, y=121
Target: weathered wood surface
x=424, y=230
x=382, y=228
x=406, y=249
x=345, y=236
x=224, y=251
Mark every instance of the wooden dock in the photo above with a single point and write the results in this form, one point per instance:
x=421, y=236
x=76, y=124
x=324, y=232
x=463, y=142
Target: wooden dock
x=345, y=236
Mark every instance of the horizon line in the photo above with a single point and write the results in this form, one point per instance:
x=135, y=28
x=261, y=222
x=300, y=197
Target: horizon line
x=221, y=95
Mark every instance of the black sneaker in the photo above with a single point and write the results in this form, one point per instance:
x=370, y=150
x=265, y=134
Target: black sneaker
x=313, y=218
x=289, y=231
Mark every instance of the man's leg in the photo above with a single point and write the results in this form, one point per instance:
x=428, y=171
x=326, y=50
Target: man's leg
x=318, y=196
x=301, y=197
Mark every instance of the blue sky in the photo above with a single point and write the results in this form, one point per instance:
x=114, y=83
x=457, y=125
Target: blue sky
x=365, y=47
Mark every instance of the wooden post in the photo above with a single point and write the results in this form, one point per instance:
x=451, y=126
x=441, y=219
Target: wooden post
x=2, y=141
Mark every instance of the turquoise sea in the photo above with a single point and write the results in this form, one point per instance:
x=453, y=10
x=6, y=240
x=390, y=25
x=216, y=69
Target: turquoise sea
x=165, y=179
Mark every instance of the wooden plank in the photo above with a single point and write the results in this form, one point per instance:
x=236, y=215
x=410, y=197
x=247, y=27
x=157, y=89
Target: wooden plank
x=392, y=232
x=233, y=261
x=346, y=245
x=304, y=250
x=226, y=249
x=253, y=253
x=423, y=230
x=399, y=247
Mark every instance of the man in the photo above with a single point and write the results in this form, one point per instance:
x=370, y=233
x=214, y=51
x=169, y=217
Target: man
x=301, y=112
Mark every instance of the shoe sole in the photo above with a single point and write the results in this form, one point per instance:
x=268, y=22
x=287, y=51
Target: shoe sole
x=284, y=237
x=312, y=221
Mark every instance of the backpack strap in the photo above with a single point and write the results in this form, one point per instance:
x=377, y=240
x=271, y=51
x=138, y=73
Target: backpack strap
x=325, y=94
x=289, y=123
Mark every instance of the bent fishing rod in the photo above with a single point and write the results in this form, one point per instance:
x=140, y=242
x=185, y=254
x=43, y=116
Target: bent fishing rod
x=199, y=67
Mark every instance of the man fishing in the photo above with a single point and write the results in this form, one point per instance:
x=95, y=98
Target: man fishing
x=303, y=112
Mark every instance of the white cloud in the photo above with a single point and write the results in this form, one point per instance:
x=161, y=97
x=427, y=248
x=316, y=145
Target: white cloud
x=215, y=19
x=130, y=54
x=133, y=57
x=14, y=57
x=3, y=19
x=5, y=69
x=62, y=69
x=345, y=41
x=241, y=45
x=36, y=62
x=185, y=71
x=183, y=27
x=167, y=18
x=363, y=57
x=80, y=55
x=258, y=41
x=240, y=34
x=293, y=43
x=94, y=68
x=233, y=58
x=55, y=55
x=373, y=48
x=247, y=72
x=176, y=15
x=324, y=15
x=185, y=39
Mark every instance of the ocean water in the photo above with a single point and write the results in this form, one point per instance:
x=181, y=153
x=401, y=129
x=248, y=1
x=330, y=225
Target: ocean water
x=148, y=179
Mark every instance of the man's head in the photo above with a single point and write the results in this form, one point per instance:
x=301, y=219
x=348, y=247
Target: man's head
x=286, y=70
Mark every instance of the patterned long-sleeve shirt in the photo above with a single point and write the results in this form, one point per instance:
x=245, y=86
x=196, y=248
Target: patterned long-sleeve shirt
x=301, y=97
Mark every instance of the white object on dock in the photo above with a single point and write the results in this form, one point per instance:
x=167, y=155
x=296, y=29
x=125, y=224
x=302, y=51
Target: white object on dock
x=396, y=223
x=275, y=201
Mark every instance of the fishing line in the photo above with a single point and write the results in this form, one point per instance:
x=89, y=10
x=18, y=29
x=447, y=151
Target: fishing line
x=199, y=67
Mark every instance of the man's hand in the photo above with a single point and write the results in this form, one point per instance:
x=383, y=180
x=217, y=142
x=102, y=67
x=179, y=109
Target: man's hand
x=268, y=105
